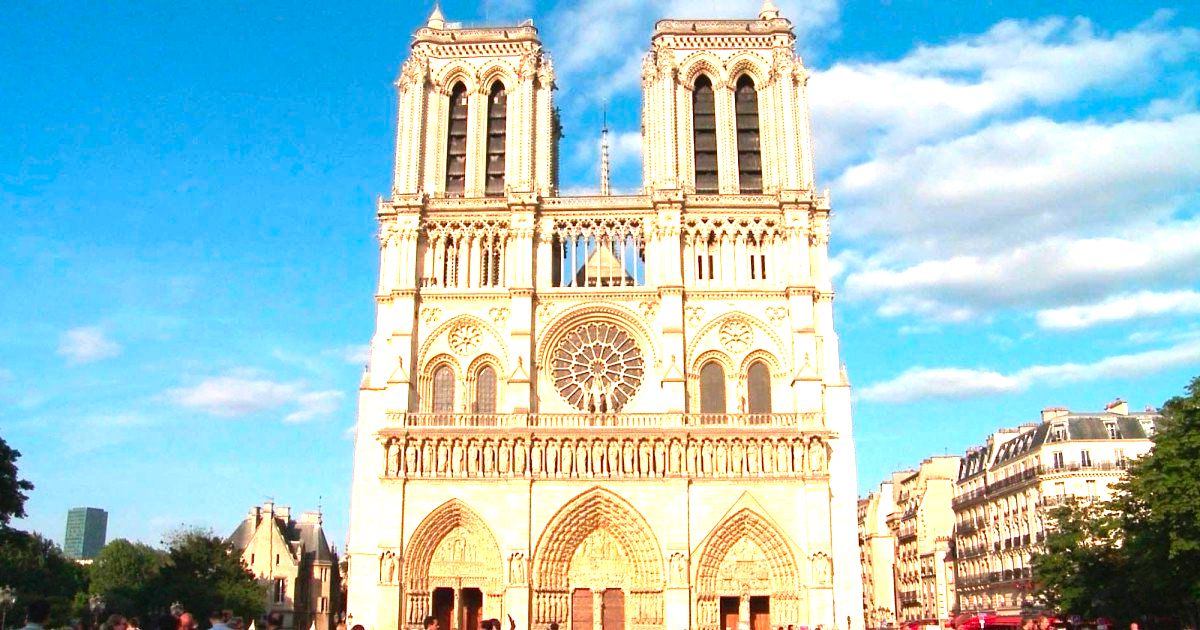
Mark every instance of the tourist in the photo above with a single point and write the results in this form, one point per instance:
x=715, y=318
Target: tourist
x=187, y=621
x=36, y=614
x=431, y=623
x=275, y=620
x=216, y=619
x=134, y=624
x=170, y=622
x=114, y=622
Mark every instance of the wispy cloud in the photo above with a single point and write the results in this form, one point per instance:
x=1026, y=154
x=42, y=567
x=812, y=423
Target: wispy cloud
x=1121, y=308
x=921, y=383
x=87, y=344
x=246, y=393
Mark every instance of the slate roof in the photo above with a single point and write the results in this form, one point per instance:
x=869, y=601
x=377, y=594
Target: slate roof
x=306, y=539
x=1079, y=426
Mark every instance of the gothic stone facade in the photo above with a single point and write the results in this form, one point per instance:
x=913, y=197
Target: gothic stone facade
x=605, y=411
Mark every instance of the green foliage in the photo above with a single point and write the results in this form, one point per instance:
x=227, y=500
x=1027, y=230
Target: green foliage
x=205, y=573
x=1105, y=559
x=12, y=488
x=124, y=573
x=37, y=568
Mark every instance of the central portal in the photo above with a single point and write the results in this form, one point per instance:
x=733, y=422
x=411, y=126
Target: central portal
x=598, y=610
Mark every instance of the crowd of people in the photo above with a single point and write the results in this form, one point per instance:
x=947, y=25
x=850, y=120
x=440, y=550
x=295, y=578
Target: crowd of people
x=38, y=612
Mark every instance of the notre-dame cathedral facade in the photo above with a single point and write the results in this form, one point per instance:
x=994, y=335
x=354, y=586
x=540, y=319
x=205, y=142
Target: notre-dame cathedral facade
x=614, y=411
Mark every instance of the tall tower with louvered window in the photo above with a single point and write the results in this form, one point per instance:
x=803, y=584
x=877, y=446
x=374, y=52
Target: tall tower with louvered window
x=609, y=411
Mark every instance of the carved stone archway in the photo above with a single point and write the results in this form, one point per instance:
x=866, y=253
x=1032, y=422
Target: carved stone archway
x=452, y=548
x=598, y=541
x=747, y=556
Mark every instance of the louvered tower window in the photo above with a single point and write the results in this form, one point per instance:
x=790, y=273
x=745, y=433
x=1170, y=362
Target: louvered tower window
x=704, y=135
x=456, y=143
x=496, y=130
x=758, y=386
x=443, y=390
x=749, y=155
x=712, y=388
x=485, y=390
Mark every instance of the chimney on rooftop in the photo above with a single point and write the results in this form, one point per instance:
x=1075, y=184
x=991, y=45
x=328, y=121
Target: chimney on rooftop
x=1050, y=413
x=1118, y=406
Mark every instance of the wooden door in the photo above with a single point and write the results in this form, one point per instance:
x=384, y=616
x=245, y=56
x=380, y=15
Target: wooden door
x=614, y=610
x=471, y=600
x=581, y=609
x=443, y=607
x=760, y=613
x=729, y=613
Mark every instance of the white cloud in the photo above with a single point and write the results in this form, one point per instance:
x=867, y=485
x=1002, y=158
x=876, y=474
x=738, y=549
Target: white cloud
x=244, y=393
x=356, y=355
x=1053, y=271
x=935, y=91
x=1120, y=308
x=86, y=344
x=584, y=36
x=921, y=383
x=1017, y=182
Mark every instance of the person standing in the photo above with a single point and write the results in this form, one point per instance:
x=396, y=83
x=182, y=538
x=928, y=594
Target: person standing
x=36, y=614
x=217, y=620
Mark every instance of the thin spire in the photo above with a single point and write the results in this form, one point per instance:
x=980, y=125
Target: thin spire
x=604, y=153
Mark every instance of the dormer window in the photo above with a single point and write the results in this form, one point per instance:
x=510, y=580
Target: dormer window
x=1058, y=433
x=1113, y=432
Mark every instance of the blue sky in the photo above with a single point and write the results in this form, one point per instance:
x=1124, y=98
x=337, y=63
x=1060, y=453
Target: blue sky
x=188, y=257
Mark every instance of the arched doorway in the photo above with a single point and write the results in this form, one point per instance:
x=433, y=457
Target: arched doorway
x=747, y=573
x=453, y=570
x=598, y=566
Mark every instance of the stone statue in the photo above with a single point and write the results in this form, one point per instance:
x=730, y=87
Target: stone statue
x=737, y=458
x=456, y=458
x=676, y=465
x=535, y=457
x=798, y=456
x=614, y=458
x=693, y=458
x=410, y=456
x=644, y=459
x=706, y=457
x=503, y=457
x=443, y=457
x=753, y=458
x=660, y=458
x=768, y=457
x=473, y=457
x=816, y=456
x=629, y=466
x=551, y=458
x=581, y=458
x=783, y=459
x=597, y=458
x=389, y=458
x=568, y=458
x=489, y=458
x=519, y=458
x=722, y=463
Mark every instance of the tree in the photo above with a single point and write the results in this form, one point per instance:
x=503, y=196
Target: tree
x=205, y=573
x=1160, y=507
x=1082, y=568
x=37, y=568
x=12, y=488
x=124, y=573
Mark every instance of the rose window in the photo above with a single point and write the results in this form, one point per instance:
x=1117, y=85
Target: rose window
x=597, y=368
x=465, y=338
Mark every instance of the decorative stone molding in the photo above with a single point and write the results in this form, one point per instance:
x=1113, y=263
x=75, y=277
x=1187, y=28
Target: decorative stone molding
x=465, y=338
x=736, y=335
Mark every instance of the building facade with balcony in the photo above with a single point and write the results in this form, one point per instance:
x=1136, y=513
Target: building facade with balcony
x=877, y=550
x=605, y=411
x=1007, y=487
x=923, y=524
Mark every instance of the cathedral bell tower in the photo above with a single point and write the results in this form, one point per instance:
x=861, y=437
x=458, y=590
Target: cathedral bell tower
x=726, y=107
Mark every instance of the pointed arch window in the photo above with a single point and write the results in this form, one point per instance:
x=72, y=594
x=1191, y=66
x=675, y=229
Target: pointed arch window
x=745, y=105
x=485, y=390
x=712, y=388
x=456, y=142
x=497, y=128
x=443, y=390
x=758, y=388
x=704, y=135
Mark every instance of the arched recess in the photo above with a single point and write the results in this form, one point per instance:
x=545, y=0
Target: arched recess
x=452, y=548
x=599, y=541
x=747, y=555
x=426, y=383
x=478, y=386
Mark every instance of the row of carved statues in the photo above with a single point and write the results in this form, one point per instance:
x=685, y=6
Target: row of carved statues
x=582, y=457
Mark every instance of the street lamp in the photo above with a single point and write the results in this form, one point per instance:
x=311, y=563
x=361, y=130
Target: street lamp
x=8, y=597
x=96, y=605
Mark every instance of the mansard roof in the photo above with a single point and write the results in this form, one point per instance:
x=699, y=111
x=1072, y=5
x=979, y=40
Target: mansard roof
x=305, y=539
x=1079, y=426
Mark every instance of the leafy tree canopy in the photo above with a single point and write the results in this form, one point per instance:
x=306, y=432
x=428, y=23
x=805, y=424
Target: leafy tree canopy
x=37, y=568
x=204, y=573
x=124, y=573
x=12, y=488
